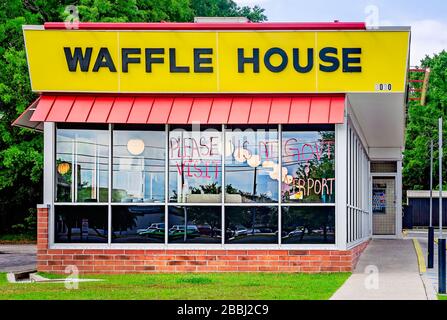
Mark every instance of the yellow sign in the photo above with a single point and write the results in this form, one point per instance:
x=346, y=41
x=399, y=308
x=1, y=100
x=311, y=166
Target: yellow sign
x=217, y=61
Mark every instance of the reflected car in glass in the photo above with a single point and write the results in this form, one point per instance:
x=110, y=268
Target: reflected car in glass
x=156, y=230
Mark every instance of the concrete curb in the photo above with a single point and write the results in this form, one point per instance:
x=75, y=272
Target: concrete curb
x=420, y=256
x=429, y=288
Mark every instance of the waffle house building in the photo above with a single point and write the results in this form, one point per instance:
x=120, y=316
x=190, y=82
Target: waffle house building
x=216, y=147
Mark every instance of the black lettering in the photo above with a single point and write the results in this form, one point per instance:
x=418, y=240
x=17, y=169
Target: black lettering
x=150, y=60
x=310, y=60
x=78, y=56
x=198, y=60
x=347, y=60
x=333, y=61
x=272, y=51
x=173, y=68
x=126, y=59
x=104, y=60
x=242, y=60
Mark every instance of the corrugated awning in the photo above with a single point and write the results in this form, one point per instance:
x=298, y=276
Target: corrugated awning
x=24, y=120
x=153, y=109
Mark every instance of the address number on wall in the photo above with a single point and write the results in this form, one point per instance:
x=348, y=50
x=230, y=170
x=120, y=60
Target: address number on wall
x=384, y=87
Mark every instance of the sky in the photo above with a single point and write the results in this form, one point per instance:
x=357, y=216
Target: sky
x=428, y=19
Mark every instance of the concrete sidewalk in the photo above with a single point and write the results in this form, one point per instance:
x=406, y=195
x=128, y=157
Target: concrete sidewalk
x=387, y=270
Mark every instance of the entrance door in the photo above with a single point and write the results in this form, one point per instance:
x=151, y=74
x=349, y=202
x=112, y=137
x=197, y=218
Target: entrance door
x=384, y=205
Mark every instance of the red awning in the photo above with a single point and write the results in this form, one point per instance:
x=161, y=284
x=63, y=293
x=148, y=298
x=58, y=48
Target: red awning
x=162, y=109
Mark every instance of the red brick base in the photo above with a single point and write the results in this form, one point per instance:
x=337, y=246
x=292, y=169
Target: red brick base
x=153, y=261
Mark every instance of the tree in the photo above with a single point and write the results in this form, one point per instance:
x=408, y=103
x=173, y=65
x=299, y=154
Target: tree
x=226, y=8
x=21, y=160
x=422, y=126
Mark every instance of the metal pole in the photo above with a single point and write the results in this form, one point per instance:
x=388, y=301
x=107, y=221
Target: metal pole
x=431, y=183
x=441, y=242
x=440, y=178
x=431, y=230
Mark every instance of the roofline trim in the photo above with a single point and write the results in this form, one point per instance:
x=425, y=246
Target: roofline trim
x=209, y=26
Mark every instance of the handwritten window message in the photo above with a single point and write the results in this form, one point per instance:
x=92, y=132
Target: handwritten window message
x=251, y=165
x=195, y=161
x=308, y=160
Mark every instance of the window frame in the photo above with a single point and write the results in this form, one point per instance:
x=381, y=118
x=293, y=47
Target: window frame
x=109, y=245
x=170, y=202
x=74, y=190
x=111, y=142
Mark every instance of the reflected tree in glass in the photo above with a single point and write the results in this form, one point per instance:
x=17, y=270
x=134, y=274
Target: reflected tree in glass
x=81, y=165
x=309, y=158
x=308, y=224
x=195, y=164
x=251, y=164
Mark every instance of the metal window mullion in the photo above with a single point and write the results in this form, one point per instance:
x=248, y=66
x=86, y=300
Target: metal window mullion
x=364, y=192
x=349, y=171
x=357, y=217
x=251, y=204
x=53, y=175
x=360, y=189
x=166, y=181
x=354, y=184
x=73, y=170
x=97, y=170
x=110, y=186
x=280, y=184
x=223, y=150
x=356, y=152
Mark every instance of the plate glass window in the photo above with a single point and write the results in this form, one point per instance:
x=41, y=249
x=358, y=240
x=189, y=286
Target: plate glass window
x=251, y=164
x=251, y=225
x=311, y=225
x=82, y=158
x=308, y=164
x=195, y=164
x=195, y=224
x=138, y=224
x=138, y=164
x=80, y=224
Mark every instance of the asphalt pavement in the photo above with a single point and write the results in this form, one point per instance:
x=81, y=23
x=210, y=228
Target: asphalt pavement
x=430, y=274
x=16, y=258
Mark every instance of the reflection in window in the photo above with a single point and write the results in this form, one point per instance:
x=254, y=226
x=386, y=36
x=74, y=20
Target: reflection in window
x=251, y=225
x=195, y=165
x=308, y=159
x=82, y=165
x=138, y=224
x=138, y=165
x=308, y=225
x=251, y=164
x=80, y=224
x=195, y=224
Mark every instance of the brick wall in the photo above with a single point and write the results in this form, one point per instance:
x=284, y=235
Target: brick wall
x=152, y=261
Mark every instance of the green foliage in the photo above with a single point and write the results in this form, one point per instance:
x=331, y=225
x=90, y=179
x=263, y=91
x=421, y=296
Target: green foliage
x=422, y=126
x=226, y=8
x=21, y=159
x=29, y=224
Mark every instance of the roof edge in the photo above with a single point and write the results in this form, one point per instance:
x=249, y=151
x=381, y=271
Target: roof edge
x=207, y=26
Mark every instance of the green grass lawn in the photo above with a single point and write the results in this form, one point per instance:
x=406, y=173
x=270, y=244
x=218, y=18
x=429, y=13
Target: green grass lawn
x=231, y=286
x=442, y=297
